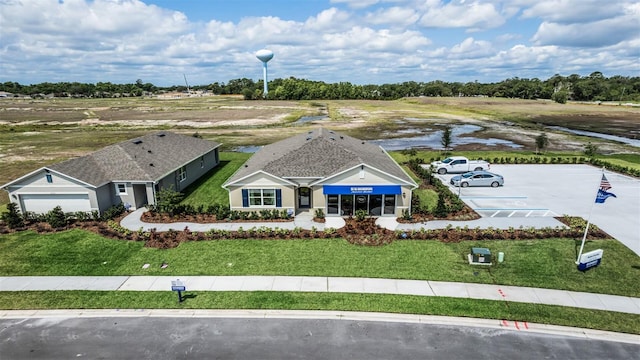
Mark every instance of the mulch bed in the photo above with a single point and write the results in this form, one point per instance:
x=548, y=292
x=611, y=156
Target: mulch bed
x=158, y=218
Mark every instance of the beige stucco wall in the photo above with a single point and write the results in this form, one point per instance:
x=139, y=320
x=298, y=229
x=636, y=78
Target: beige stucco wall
x=357, y=176
x=262, y=181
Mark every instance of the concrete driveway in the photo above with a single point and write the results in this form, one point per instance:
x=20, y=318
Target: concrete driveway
x=555, y=190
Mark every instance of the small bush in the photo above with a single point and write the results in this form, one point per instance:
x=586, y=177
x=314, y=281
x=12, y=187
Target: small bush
x=12, y=217
x=56, y=218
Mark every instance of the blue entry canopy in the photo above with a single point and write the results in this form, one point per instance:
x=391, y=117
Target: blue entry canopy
x=361, y=190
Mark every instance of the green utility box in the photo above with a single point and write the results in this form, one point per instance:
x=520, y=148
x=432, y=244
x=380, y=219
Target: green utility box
x=480, y=255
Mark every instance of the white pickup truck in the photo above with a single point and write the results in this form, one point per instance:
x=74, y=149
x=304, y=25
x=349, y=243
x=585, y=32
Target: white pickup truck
x=458, y=164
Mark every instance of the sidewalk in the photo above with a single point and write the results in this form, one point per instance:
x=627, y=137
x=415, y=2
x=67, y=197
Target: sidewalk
x=305, y=221
x=327, y=285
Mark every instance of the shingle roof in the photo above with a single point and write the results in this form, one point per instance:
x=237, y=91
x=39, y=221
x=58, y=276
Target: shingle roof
x=320, y=153
x=146, y=158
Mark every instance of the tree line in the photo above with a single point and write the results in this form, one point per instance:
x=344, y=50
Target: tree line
x=594, y=87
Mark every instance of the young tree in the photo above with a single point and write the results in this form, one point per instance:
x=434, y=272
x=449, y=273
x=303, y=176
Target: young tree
x=591, y=149
x=56, y=218
x=541, y=142
x=441, y=210
x=446, y=138
x=12, y=217
x=168, y=199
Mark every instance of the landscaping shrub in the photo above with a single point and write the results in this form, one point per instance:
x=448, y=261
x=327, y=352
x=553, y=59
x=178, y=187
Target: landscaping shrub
x=56, y=218
x=12, y=217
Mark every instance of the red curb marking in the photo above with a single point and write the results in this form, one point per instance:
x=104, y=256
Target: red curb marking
x=517, y=327
x=505, y=323
x=526, y=326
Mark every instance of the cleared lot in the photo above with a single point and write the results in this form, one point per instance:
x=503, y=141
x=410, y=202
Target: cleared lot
x=553, y=190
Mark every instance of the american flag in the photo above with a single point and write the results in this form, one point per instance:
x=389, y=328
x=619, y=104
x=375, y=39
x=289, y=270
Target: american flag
x=604, y=183
x=603, y=194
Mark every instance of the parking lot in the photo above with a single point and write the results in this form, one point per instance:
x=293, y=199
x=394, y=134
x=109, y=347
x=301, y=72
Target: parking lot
x=556, y=190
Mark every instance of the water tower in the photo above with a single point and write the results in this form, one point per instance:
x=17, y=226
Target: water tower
x=264, y=55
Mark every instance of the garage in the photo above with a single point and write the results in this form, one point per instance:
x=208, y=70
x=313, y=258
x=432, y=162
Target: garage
x=42, y=203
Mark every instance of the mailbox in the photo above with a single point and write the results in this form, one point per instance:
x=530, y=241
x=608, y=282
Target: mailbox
x=179, y=286
x=480, y=255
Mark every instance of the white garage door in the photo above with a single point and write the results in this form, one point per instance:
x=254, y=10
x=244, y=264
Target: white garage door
x=42, y=203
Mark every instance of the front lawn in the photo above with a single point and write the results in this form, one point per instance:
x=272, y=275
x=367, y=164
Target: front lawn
x=536, y=263
x=402, y=304
x=208, y=189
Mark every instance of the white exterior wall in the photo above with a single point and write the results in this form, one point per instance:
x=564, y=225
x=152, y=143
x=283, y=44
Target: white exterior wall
x=37, y=184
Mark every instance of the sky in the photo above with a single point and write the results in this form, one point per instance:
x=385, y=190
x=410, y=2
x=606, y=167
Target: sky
x=356, y=41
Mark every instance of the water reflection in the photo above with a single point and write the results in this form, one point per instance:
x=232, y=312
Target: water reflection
x=247, y=149
x=306, y=119
x=421, y=138
x=431, y=139
x=632, y=142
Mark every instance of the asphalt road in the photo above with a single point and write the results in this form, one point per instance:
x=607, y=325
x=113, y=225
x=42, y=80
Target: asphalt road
x=225, y=338
x=556, y=190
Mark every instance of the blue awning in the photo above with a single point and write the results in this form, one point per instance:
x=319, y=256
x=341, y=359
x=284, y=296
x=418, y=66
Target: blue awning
x=361, y=190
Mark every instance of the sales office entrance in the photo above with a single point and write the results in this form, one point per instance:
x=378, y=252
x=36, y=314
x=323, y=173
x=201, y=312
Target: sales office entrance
x=376, y=200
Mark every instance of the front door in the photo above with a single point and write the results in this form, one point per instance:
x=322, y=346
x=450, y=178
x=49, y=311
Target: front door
x=304, y=198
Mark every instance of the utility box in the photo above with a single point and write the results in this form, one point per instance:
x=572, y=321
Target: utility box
x=480, y=255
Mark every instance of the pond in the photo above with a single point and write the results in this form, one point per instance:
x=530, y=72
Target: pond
x=307, y=119
x=247, y=149
x=624, y=140
x=422, y=138
x=427, y=138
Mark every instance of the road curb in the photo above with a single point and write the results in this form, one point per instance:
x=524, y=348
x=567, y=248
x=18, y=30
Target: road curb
x=504, y=325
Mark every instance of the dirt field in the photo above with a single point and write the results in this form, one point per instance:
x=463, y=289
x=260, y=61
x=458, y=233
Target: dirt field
x=34, y=133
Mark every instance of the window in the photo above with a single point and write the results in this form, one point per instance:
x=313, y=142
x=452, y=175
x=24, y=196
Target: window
x=262, y=197
x=332, y=204
x=201, y=162
x=121, y=189
x=49, y=178
x=182, y=174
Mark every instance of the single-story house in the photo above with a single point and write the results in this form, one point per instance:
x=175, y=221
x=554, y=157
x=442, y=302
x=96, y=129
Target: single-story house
x=322, y=169
x=130, y=172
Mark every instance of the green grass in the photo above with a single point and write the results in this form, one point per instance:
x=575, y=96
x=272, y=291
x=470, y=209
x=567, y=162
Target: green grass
x=594, y=319
x=539, y=263
x=428, y=198
x=208, y=189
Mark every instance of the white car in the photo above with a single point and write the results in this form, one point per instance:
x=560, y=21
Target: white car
x=477, y=178
x=458, y=164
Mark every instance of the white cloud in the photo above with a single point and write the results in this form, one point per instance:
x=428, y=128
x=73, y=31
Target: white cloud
x=463, y=14
x=394, y=16
x=572, y=11
x=471, y=48
x=328, y=20
x=356, y=4
x=593, y=34
x=373, y=41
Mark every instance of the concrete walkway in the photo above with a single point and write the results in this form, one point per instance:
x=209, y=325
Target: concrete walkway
x=327, y=285
x=304, y=220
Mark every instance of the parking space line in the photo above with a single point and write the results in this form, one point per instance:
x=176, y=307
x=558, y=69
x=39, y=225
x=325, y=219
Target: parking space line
x=510, y=209
x=496, y=213
x=493, y=197
x=510, y=215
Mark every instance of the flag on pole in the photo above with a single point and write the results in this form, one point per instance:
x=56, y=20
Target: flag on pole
x=603, y=194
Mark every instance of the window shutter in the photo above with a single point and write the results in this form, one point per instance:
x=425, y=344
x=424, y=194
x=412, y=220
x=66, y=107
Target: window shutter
x=278, y=198
x=245, y=198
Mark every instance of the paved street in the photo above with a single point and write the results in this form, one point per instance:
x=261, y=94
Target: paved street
x=296, y=336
